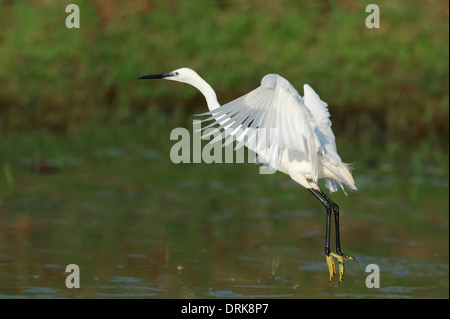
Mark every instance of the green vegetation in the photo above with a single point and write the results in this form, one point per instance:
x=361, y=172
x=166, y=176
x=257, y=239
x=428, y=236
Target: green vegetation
x=386, y=86
x=275, y=265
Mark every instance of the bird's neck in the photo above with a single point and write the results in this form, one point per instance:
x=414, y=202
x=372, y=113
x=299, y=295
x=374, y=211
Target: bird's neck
x=208, y=93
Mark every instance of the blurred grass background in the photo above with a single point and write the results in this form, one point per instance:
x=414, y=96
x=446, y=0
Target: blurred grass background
x=70, y=103
x=385, y=87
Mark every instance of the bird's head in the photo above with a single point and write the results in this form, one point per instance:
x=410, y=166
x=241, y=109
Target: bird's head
x=185, y=75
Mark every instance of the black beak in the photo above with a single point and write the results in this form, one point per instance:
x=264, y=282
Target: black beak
x=155, y=76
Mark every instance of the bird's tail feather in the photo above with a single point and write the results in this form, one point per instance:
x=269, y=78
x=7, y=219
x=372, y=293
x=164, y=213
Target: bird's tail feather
x=343, y=176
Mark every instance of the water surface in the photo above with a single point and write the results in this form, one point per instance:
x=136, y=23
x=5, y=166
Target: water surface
x=141, y=227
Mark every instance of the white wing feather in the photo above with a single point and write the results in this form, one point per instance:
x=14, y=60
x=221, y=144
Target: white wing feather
x=324, y=133
x=269, y=120
x=321, y=116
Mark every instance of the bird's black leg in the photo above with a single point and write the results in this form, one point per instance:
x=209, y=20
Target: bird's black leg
x=336, y=225
x=335, y=208
x=332, y=206
x=328, y=208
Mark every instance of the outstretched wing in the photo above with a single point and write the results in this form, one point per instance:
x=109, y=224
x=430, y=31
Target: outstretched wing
x=321, y=116
x=268, y=120
x=325, y=135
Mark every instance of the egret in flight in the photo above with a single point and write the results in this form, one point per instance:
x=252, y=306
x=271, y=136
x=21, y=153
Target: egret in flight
x=290, y=133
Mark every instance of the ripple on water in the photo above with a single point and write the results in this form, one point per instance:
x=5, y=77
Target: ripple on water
x=128, y=287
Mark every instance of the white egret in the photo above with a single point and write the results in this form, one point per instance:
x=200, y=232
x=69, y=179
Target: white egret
x=289, y=133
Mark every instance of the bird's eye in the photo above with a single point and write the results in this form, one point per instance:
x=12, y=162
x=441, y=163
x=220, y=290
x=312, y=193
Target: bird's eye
x=176, y=73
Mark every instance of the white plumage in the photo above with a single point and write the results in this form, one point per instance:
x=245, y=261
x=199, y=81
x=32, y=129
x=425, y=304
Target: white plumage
x=290, y=133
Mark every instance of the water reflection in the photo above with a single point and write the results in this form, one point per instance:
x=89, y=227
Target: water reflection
x=153, y=236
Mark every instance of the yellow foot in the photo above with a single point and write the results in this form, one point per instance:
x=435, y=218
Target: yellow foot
x=331, y=266
x=331, y=269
